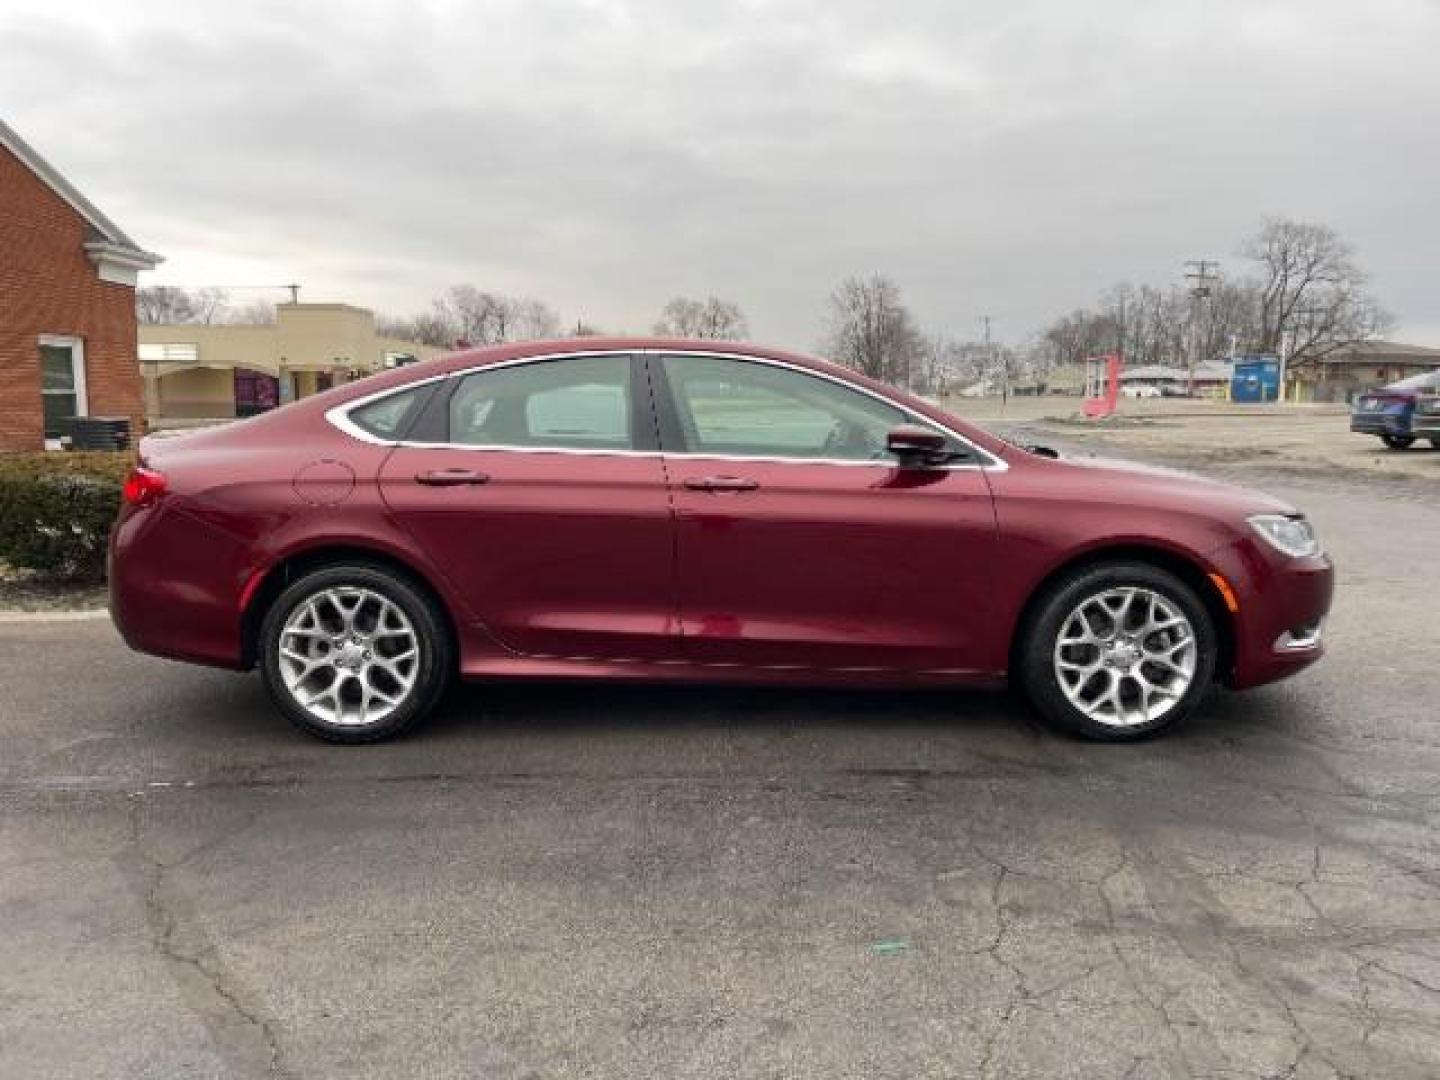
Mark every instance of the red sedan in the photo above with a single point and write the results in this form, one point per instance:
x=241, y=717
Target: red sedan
x=671, y=510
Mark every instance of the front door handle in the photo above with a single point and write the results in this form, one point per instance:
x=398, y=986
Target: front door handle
x=720, y=483
x=451, y=477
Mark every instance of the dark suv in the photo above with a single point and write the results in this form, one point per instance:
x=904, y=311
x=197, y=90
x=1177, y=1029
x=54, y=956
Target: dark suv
x=1390, y=412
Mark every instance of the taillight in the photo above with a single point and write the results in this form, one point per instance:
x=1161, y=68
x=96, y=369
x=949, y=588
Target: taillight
x=143, y=486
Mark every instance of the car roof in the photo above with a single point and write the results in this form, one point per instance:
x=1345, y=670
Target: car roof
x=467, y=359
x=517, y=350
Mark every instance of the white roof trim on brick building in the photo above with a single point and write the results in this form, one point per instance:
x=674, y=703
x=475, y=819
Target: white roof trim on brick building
x=116, y=257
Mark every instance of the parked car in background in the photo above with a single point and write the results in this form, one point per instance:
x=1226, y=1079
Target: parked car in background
x=1389, y=412
x=1425, y=423
x=693, y=511
x=1140, y=390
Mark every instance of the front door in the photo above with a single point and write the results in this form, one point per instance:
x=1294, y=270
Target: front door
x=543, y=502
x=800, y=542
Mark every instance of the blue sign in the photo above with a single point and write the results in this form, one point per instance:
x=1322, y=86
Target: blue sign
x=1255, y=378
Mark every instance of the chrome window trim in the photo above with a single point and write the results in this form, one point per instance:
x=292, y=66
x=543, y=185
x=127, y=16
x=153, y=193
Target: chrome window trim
x=339, y=416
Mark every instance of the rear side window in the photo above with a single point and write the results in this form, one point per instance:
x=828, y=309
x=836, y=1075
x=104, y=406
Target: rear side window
x=573, y=403
x=389, y=417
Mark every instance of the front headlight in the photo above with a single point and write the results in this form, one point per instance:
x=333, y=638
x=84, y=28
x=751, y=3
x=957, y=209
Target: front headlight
x=1293, y=535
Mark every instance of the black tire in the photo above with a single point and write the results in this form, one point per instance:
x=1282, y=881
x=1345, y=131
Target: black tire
x=433, y=667
x=1435, y=442
x=1036, y=649
x=1398, y=442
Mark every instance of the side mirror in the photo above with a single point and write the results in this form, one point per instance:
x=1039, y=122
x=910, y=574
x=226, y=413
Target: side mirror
x=914, y=445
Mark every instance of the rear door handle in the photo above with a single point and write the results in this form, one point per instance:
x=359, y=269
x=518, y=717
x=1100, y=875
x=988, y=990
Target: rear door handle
x=451, y=477
x=720, y=483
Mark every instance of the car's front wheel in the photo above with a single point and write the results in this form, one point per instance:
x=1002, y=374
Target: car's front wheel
x=1118, y=651
x=1398, y=442
x=355, y=653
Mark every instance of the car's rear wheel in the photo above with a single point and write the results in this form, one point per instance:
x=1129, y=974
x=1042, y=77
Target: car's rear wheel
x=355, y=653
x=1118, y=651
x=1435, y=443
x=1398, y=442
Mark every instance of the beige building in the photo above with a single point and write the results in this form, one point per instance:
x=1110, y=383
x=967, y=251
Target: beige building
x=199, y=372
x=1346, y=373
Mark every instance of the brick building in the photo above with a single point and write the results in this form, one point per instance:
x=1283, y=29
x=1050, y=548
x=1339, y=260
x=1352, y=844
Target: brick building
x=67, y=305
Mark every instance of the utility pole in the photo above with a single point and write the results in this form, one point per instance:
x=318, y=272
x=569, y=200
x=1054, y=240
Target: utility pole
x=990, y=357
x=1120, y=329
x=1202, y=273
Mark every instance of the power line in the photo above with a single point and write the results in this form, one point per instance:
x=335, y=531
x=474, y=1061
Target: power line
x=294, y=289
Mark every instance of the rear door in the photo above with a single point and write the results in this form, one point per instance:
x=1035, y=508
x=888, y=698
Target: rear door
x=543, y=501
x=800, y=542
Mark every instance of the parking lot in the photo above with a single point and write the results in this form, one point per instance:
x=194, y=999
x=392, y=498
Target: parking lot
x=607, y=881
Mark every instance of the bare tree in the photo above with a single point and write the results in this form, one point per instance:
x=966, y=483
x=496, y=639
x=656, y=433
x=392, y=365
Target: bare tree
x=1227, y=319
x=394, y=326
x=946, y=365
x=1074, y=338
x=1311, y=290
x=1310, y=296
x=532, y=319
x=1146, y=324
x=429, y=328
x=476, y=317
x=470, y=316
x=210, y=305
x=712, y=318
x=163, y=304
x=255, y=313
x=871, y=331
x=170, y=304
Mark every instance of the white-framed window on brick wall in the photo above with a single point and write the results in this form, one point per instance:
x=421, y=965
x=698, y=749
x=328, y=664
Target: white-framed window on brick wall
x=62, y=384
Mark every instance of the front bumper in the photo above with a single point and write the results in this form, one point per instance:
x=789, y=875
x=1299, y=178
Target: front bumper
x=1426, y=425
x=1380, y=424
x=1283, y=603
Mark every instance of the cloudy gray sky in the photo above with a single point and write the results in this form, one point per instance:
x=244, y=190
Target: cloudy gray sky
x=1010, y=157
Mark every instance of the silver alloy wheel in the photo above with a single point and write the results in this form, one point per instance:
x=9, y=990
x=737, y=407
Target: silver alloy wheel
x=1126, y=656
x=349, y=656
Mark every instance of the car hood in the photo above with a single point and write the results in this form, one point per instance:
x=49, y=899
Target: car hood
x=1158, y=485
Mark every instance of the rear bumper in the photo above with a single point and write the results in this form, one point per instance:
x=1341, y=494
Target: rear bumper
x=1283, y=604
x=175, y=586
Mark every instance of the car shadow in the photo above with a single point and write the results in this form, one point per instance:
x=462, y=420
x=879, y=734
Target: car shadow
x=581, y=706
x=224, y=728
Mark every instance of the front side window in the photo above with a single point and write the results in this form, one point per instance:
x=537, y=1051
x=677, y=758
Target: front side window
x=573, y=403
x=740, y=408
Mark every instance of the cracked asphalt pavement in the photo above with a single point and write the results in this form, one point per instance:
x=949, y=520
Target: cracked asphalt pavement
x=608, y=881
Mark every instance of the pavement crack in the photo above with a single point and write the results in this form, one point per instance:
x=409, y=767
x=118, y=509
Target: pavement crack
x=241, y=1034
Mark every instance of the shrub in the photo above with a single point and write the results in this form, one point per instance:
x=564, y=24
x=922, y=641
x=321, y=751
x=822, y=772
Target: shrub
x=100, y=465
x=56, y=511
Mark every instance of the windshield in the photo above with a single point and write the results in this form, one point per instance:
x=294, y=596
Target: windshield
x=1429, y=380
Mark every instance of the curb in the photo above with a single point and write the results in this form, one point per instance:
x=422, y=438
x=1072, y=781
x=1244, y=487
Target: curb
x=84, y=615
